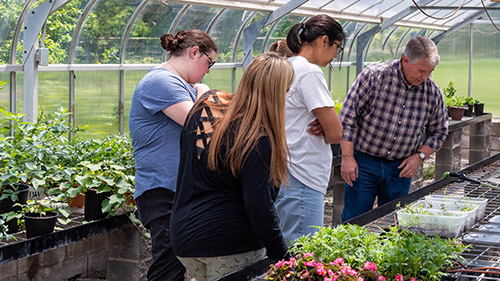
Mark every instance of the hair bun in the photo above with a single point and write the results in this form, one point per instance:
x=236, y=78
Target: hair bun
x=167, y=42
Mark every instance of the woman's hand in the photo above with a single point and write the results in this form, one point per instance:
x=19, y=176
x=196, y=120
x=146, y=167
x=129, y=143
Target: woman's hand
x=314, y=128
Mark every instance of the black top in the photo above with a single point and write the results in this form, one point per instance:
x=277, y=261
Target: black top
x=216, y=213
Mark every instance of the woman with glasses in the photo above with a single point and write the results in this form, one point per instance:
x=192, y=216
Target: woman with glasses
x=233, y=159
x=160, y=104
x=300, y=205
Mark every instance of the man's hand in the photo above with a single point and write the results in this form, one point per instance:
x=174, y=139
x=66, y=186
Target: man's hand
x=410, y=166
x=349, y=169
x=314, y=128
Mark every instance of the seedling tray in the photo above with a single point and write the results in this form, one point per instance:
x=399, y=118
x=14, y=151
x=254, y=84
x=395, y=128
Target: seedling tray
x=447, y=225
x=480, y=202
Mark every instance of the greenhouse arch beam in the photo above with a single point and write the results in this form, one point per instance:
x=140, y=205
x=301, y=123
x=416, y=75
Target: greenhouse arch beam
x=78, y=28
x=214, y=20
x=365, y=38
x=251, y=32
x=13, y=49
x=33, y=24
x=463, y=23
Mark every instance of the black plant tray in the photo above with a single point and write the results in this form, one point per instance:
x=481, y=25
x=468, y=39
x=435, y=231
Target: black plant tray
x=26, y=247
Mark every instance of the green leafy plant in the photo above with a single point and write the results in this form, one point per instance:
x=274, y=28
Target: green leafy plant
x=396, y=252
x=107, y=177
x=41, y=208
x=458, y=101
x=469, y=100
x=3, y=229
x=450, y=90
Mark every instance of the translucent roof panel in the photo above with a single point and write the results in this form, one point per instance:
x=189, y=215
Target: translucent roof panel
x=143, y=45
x=196, y=17
x=101, y=38
x=9, y=11
x=280, y=30
x=224, y=32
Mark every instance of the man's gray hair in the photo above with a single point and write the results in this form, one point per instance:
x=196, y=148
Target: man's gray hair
x=420, y=47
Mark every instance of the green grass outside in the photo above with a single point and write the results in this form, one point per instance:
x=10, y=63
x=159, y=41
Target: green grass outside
x=97, y=92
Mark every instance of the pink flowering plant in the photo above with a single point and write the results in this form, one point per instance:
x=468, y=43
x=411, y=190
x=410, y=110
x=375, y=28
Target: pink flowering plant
x=394, y=253
x=307, y=267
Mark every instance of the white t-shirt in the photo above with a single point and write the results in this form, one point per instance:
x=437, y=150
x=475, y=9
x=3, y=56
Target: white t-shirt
x=310, y=156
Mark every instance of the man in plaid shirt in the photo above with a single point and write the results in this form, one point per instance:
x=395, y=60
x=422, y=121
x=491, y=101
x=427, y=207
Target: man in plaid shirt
x=394, y=117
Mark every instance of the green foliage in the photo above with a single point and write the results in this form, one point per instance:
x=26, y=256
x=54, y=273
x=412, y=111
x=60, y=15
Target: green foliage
x=396, y=252
x=450, y=90
x=40, y=154
x=469, y=100
x=35, y=149
x=338, y=105
x=458, y=101
x=429, y=172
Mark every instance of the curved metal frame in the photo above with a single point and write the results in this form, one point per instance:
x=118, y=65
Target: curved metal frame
x=76, y=34
x=214, y=19
x=401, y=39
x=271, y=29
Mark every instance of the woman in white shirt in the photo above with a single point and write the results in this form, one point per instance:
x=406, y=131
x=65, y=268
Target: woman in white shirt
x=300, y=204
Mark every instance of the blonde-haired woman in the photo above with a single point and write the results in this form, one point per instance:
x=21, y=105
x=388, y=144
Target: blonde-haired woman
x=233, y=159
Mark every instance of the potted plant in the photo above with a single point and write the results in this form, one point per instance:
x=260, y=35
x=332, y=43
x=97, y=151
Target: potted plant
x=40, y=216
x=478, y=107
x=468, y=103
x=457, y=109
x=107, y=188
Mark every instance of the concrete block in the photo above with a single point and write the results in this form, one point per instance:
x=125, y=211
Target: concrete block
x=465, y=143
x=31, y=265
x=97, y=243
x=465, y=131
x=8, y=271
x=118, y=268
x=77, y=249
x=495, y=127
x=482, y=129
x=495, y=143
x=480, y=142
x=127, y=244
x=96, y=263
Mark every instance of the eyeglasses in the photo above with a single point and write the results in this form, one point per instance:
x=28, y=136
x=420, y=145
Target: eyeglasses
x=339, y=48
x=211, y=62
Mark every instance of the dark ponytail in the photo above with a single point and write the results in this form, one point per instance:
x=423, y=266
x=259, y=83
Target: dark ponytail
x=313, y=28
x=185, y=39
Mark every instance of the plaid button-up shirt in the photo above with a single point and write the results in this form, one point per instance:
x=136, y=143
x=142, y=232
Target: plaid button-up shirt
x=385, y=117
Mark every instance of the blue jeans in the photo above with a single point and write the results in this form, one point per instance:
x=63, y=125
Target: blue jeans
x=377, y=178
x=299, y=207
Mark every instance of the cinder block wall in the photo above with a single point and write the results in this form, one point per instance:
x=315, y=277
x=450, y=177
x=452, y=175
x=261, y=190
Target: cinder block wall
x=117, y=255
x=494, y=138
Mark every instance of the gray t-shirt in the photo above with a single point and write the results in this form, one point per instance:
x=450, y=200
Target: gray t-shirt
x=155, y=137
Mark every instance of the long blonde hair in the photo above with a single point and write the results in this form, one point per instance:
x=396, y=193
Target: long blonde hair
x=258, y=107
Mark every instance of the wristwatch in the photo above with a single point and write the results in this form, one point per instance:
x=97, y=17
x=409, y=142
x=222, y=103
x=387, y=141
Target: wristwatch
x=421, y=155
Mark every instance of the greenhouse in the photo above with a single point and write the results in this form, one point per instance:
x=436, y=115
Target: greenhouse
x=68, y=72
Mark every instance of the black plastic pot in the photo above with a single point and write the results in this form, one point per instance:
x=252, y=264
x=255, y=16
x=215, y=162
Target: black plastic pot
x=7, y=205
x=93, y=205
x=478, y=109
x=468, y=110
x=37, y=225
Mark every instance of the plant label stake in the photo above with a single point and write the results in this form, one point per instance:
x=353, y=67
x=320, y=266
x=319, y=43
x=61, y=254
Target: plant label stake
x=35, y=194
